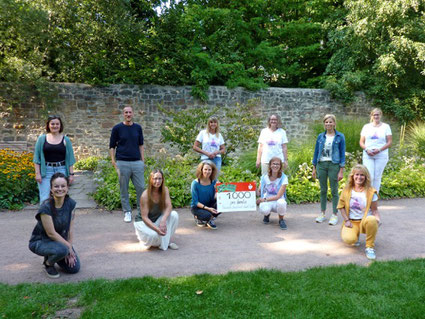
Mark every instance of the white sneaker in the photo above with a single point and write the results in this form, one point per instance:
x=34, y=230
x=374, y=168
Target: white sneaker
x=334, y=220
x=127, y=217
x=370, y=253
x=321, y=218
x=173, y=246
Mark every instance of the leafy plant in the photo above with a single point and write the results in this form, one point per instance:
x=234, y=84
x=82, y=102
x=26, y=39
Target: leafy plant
x=88, y=163
x=416, y=137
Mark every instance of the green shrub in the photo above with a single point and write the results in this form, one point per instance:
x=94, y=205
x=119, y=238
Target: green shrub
x=416, y=137
x=17, y=179
x=88, y=163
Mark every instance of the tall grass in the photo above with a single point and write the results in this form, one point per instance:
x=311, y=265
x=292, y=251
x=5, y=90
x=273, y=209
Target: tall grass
x=416, y=137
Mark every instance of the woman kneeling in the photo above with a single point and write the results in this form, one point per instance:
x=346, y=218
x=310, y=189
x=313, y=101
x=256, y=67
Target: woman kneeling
x=272, y=192
x=156, y=223
x=52, y=236
x=358, y=205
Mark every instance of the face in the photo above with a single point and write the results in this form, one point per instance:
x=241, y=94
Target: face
x=156, y=180
x=128, y=114
x=273, y=121
x=213, y=126
x=54, y=126
x=206, y=171
x=376, y=116
x=359, y=178
x=275, y=165
x=59, y=187
x=329, y=124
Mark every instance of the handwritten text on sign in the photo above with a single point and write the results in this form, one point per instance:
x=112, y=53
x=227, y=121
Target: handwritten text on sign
x=236, y=197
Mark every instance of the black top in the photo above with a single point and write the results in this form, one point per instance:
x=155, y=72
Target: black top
x=54, y=152
x=61, y=220
x=153, y=214
x=126, y=139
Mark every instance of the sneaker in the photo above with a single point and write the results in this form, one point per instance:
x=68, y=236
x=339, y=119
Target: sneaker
x=127, y=217
x=211, y=224
x=51, y=271
x=357, y=243
x=200, y=223
x=266, y=219
x=173, y=246
x=321, y=218
x=333, y=220
x=282, y=224
x=370, y=253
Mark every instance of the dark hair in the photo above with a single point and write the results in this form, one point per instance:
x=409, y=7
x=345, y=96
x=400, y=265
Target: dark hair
x=53, y=117
x=51, y=199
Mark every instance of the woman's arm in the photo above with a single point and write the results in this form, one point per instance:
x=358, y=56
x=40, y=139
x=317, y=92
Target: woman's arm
x=285, y=155
x=167, y=211
x=144, y=211
x=279, y=195
x=363, y=145
x=375, y=212
x=259, y=153
x=389, y=139
x=197, y=148
x=347, y=221
x=49, y=227
x=38, y=177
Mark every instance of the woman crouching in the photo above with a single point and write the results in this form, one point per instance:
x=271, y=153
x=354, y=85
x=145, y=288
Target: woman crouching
x=156, y=223
x=358, y=205
x=53, y=235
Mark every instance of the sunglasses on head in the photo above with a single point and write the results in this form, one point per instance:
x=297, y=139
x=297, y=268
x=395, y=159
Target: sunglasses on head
x=53, y=117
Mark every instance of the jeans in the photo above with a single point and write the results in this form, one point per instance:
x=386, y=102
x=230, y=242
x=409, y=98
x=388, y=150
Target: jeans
x=54, y=252
x=203, y=214
x=133, y=170
x=44, y=186
x=375, y=165
x=327, y=170
x=217, y=161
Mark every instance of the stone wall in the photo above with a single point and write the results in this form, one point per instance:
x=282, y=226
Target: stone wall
x=90, y=112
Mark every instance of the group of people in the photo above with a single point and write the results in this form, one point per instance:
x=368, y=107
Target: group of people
x=156, y=222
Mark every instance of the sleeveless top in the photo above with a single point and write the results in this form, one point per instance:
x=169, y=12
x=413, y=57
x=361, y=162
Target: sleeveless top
x=54, y=152
x=153, y=214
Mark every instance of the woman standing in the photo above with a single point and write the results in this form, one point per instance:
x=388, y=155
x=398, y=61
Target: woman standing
x=212, y=143
x=272, y=143
x=359, y=208
x=157, y=222
x=375, y=140
x=53, y=153
x=272, y=192
x=204, y=203
x=52, y=237
x=328, y=163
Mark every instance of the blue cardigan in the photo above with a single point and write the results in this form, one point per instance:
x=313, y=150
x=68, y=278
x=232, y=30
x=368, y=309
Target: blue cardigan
x=39, y=154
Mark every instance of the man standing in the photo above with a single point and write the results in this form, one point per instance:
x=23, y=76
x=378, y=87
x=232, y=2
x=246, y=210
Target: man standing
x=127, y=156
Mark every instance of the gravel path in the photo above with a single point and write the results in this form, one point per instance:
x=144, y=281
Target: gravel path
x=108, y=247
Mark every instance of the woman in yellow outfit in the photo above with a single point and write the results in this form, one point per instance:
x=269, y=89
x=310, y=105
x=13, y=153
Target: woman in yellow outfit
x=358, y=205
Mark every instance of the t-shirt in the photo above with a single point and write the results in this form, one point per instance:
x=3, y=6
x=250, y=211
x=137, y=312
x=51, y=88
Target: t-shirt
x=376, y=136
x=327, y=149
x=126, y=139
x=272, y=142
x=358, y=204
x=271, y=188
x=61, y=220
x=210, y=142
x=153, y=214
x=203, y=194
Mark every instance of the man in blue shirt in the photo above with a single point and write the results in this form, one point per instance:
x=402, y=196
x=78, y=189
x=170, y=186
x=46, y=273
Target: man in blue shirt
x=127, y=156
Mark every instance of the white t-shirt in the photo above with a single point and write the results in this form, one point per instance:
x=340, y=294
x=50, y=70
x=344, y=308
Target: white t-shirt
x=210, y=142
x=376, y=136
x=358, y=204
x=272, y=144
x=326, y=155
x=271, y=188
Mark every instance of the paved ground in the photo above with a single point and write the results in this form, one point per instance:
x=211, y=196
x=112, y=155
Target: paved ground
x=108, y=247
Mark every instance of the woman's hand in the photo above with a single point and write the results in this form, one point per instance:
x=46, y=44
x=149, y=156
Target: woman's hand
x=71, y=179
x=313, y=173
x=162, y=228
x=211, y=155
x=211, y=210
x=340, y=175
x=258, y=163
x=71, y=259
x=348, y=223
x=38, y=178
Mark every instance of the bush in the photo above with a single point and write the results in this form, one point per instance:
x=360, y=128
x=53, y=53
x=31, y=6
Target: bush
x=88, y=163
x=416, y=137
x=17, y=179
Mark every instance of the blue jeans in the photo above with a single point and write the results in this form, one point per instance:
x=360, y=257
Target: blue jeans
x=203, y=214
x=54, y=252
x=134, y=170
x=217, y=161
x=44, y=186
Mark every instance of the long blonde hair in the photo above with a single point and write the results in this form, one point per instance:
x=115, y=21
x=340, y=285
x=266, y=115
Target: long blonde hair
x=215, y=120
x=161, y=190
x=363, y=170
x=201, y=167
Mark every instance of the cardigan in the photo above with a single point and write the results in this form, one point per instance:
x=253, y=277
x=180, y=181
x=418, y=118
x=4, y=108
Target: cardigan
x=344, y=202
x=39, y=154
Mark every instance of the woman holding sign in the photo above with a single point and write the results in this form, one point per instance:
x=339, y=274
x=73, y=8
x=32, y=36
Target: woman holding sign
x=272, y=192
x=210, y=143
x=204, y=203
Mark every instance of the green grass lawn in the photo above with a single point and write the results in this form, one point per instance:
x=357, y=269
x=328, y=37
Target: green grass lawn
x=394, y=289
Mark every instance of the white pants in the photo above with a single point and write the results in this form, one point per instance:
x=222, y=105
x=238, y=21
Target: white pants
x=148, y=237
x=375, y=165
x=277, y=206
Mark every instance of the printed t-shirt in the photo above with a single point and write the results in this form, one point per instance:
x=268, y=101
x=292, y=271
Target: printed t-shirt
x=272, y=142
x=358, y=204
x=210, y=142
